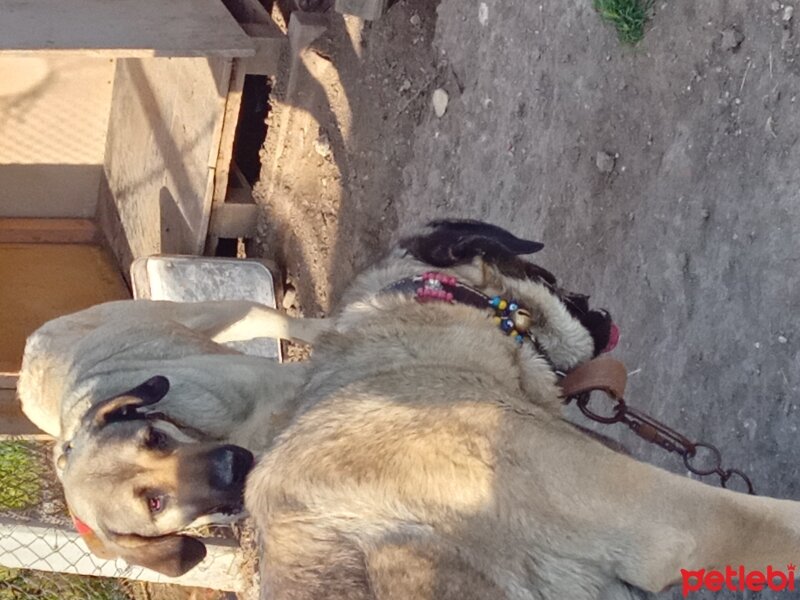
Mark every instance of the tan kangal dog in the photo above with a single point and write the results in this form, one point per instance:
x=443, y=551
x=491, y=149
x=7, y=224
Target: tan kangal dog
x=429, y=459
x=155, y=419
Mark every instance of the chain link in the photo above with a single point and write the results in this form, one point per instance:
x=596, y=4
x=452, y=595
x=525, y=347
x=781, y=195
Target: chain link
x=699, y=457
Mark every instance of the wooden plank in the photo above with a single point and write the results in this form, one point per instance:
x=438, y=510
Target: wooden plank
x=256, y=21
x=44, y=281
x=209, y=154
x=47, y=168
x=269, y=44
x=369, y=10
x=234, y=220
x=304, y=29
x=13, y=423
x=45, y=547
x=247, y=11
x=163, y=143
x=8, y=377
x=233, y=104
x=122, y=28
x=47, y=231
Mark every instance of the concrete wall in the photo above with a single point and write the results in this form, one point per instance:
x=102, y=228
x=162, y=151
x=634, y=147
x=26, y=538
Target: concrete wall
x=53, y=121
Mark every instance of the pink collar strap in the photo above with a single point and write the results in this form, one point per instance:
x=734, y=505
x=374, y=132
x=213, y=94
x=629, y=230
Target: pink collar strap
x=80, y=526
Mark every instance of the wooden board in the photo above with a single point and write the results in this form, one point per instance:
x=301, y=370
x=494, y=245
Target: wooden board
x=48, y=231
x=122, y=28
x=53, y=117
x=163, y=140
x=369, y=10
x=230, y=120
x=13, y=423
x=270, y=42
x=39, y=282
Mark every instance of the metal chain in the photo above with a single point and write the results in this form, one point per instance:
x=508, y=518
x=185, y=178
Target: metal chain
x=655, y=432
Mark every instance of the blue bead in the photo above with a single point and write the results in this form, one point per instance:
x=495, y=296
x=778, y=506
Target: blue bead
x=513, y=306
x=507, y=325
x=495, y=302
x=519, y=338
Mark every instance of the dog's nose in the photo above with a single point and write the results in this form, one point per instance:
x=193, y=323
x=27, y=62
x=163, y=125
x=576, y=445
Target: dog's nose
x=229, y=467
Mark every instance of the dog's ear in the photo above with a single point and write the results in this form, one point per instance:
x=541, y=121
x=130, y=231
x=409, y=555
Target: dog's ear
x=454, y=242
x=125, y=406
x=171, y=555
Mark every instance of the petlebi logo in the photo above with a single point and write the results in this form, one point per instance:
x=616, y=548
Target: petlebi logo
x=738, y=580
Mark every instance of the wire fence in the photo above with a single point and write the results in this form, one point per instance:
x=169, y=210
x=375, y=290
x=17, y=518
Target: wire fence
x=29, y=489
x=41, y=557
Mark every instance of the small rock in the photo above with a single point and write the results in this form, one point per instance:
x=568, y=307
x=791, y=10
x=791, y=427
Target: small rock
x=775, y=6
x=440, y=102
x=483, y=13
x=732, y=38
x=605, y=162
x=415, y=20
x=405, y=86
x=770, y=126
x=289, y=297
x=322, y=145
x=788, y=13
x=782, y=339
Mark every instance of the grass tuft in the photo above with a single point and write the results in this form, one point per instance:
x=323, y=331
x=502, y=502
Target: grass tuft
x=20, y=584
x=20, y=487
x=628, y=16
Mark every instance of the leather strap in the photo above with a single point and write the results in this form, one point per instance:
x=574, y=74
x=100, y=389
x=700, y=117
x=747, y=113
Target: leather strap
x=602, y=373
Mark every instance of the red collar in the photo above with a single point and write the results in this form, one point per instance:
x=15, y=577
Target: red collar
x=80, y=526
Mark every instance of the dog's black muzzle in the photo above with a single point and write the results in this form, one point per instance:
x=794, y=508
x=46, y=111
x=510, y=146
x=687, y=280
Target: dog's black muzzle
x=229, y=467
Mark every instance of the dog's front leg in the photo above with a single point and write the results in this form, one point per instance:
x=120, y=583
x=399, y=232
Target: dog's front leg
x=655, y=524
x=238, y=320
x=722, y=529
x=262, y=321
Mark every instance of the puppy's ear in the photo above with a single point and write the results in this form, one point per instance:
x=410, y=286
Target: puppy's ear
x=171, y=555
x=459, y=241
x=125, y=406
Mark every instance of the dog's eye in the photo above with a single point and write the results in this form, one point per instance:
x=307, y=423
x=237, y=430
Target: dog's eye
x=155, y=504
x=156, y=440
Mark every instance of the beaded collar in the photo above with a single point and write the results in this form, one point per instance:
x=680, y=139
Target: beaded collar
x=511, y=317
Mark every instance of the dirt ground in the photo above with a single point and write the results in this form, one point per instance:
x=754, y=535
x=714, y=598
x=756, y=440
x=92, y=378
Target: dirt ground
x=689, y=233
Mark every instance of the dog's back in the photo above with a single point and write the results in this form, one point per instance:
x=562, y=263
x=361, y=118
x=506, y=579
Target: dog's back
x=426, y=461
x=421, y=471
x=96, y=353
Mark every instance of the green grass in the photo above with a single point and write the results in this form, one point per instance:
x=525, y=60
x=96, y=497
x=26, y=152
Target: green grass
x=21, y=474
x=20, y=486
x=19, y=584
x=628, y=16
